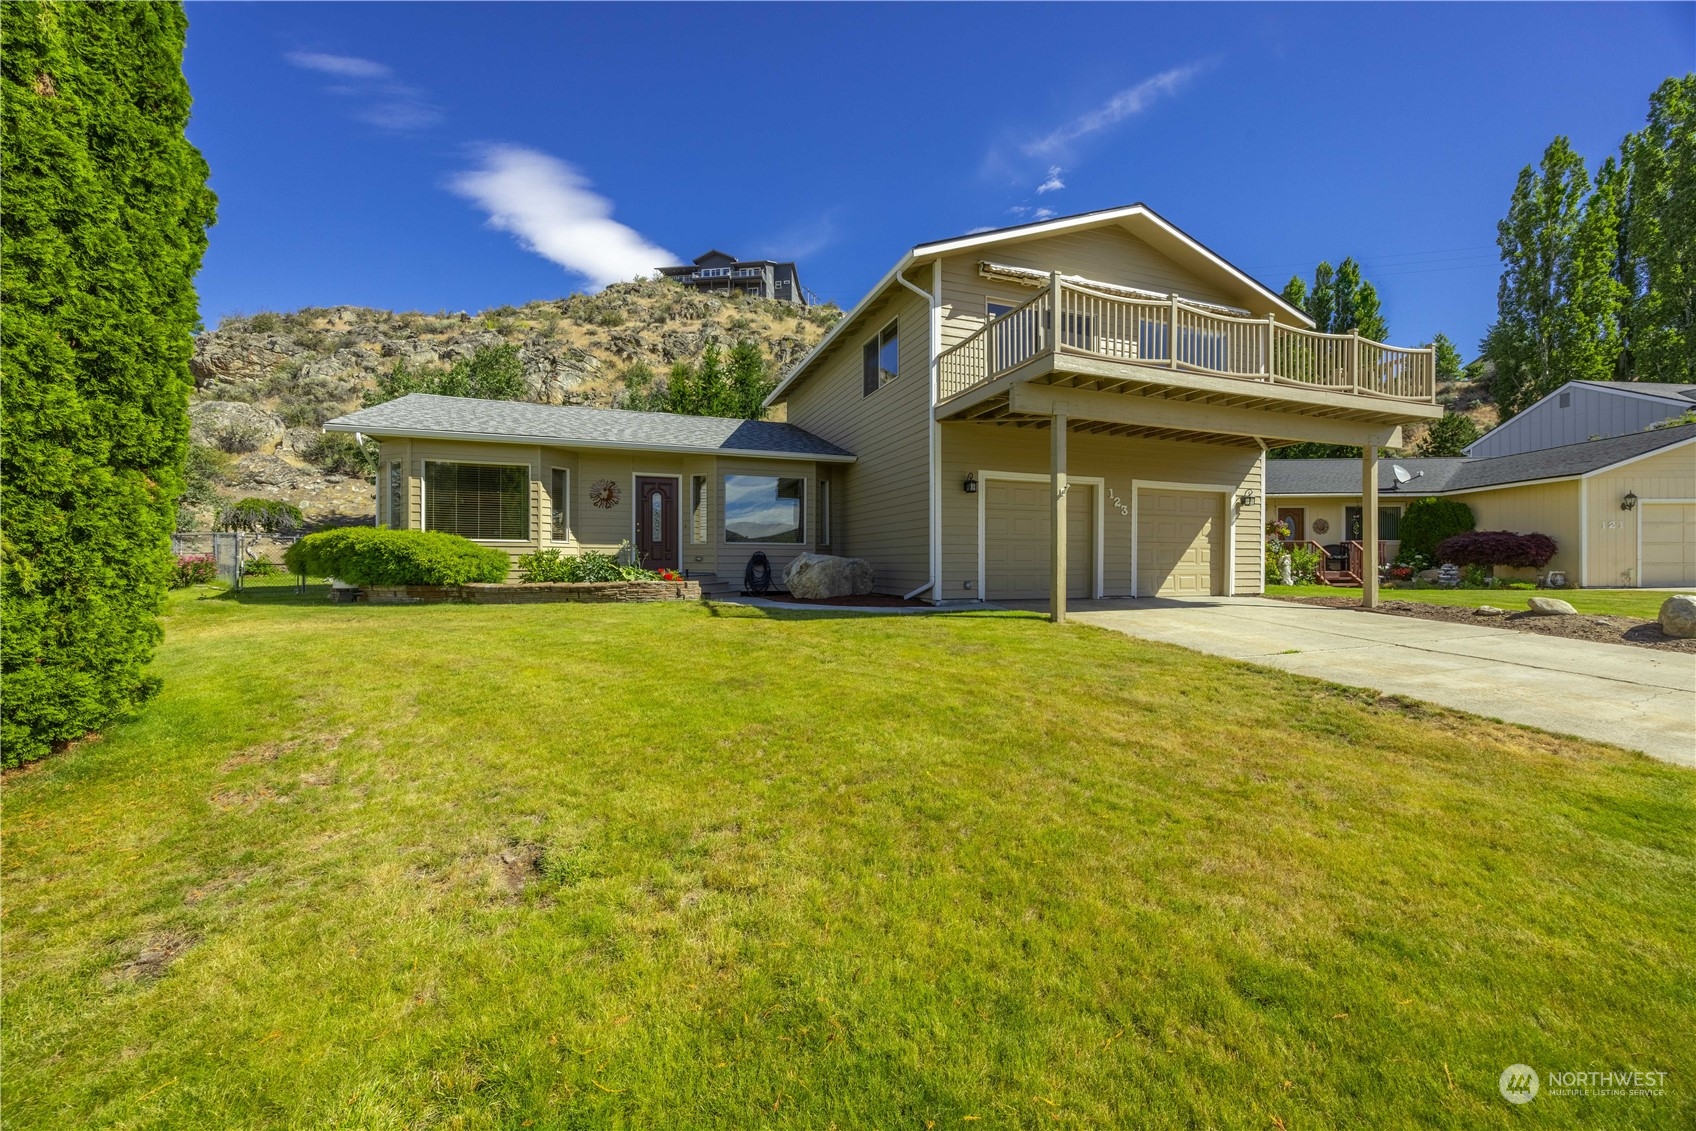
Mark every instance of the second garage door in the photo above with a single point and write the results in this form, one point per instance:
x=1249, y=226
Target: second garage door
x=1179, y=540
x=1668, y=552
x=1015, y=539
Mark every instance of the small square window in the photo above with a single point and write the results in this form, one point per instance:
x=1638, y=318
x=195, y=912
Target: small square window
x=1566, y=400
x=881, y=359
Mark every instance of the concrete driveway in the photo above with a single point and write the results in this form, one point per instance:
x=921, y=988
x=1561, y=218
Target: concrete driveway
x=1638, y=698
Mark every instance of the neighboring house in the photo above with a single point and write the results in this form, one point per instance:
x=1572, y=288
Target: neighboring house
x=1586, y=410
x=725, y=274
x=1086, y=400
x=1621, y=510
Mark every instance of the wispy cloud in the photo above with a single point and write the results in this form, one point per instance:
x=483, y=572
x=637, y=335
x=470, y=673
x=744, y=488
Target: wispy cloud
x=1053, y=183
x=551, y=210
x=1126, y=104
x=378, y=98
x=343, y=66
x=803, y=239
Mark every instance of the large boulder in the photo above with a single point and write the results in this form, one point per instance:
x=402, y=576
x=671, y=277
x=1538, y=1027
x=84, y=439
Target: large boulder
x=1678, y=615
x=1550, y=607
x=816, y=576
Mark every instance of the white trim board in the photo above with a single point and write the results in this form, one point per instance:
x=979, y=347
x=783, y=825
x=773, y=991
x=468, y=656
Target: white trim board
x=1231, y=509
x=1098, y=583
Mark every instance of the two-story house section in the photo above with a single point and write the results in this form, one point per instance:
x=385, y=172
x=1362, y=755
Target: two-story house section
x=1074, y=408
x=722, y=273
x=1082, y=407
x=1586, y=410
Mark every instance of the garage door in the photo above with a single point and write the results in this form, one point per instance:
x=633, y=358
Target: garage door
x=1669, y=544
x=1179, y=535
x=1015, y=540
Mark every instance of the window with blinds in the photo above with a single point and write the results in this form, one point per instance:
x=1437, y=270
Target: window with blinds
x=559, y=491
x=477, y=500
x=397, y=496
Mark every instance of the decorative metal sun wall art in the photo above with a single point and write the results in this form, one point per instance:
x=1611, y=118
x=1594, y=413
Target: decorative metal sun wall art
x=604, y=493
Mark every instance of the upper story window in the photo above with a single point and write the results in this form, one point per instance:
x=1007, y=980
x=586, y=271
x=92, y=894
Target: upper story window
x=714, y=272
x=881, y=359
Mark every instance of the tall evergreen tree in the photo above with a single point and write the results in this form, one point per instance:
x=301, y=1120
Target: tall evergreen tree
x=104, y=227
x=1448, y=359
x=1657, y=269
x=1339, y=300
x=1558, y=303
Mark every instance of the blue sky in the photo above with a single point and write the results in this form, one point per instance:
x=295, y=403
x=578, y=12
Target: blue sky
x=449, y=156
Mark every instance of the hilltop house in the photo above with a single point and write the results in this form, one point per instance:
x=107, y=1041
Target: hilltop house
x=1072, y=408
x=723, y=273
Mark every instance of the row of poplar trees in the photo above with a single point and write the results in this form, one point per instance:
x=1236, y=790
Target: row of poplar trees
x=104, y=226
x=1599, y=273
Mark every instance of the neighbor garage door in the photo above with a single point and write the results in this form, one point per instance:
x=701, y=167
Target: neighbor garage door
x=1015, y=539
x=1668, y=551
x=1180, y=535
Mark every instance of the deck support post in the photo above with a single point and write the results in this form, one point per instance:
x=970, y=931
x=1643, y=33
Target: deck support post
x=1369, y=525
x=1057, y=523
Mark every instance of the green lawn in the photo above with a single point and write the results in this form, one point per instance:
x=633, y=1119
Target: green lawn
x=685, y=866
x=1643, y=603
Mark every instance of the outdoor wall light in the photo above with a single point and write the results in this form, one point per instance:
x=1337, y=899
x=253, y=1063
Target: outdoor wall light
x=1247, y=499
x=971, y=484
x=1629, y=503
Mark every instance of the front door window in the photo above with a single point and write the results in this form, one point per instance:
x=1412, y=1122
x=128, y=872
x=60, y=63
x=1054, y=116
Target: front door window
x=656, y=523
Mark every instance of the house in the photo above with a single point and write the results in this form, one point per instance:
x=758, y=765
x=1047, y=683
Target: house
x=1621, y=510
x=723, y=273
x=1077, y=407
x=1586, y=410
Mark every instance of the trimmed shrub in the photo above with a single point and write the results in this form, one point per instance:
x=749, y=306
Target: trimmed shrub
x=590, y=565
x=368, y=555
x=1497, y=548
x=1427, y=522
x=273, y=516
x=103, y=228
x=260, y=567
x=194, y=569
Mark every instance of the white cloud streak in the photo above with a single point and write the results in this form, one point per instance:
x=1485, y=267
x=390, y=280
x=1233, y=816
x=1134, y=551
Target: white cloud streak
x=551, y=210
x=342, y=66
x=379, y=100
x=1053, y=183
x=1126, y=104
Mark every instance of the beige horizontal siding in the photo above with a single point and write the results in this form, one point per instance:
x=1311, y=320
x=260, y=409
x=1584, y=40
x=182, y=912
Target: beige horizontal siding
x=881, y=501
x=973, y=448
x=1613, y=533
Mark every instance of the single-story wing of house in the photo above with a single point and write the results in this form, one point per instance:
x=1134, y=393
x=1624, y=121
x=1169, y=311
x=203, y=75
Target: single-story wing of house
x=1071, y=408
x=1622, y=510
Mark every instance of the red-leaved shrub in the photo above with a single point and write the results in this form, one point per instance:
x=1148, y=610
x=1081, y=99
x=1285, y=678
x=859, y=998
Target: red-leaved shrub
x=1497, y=548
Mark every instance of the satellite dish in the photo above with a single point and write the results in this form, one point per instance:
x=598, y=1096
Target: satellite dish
x=1400, y=473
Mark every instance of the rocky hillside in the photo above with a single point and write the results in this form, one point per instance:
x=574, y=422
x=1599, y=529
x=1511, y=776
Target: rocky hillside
x=264, y=383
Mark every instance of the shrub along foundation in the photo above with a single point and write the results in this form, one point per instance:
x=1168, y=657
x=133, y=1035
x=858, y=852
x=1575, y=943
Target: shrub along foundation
x=532, y=593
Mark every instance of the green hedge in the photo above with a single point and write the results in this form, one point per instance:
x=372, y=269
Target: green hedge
x=367, y=555
x=1427, y=522
x=104, y=225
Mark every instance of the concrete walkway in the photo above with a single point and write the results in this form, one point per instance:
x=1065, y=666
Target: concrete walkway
x=1638, y=698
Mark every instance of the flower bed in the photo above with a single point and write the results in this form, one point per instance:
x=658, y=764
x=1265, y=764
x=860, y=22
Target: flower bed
x=533, y=593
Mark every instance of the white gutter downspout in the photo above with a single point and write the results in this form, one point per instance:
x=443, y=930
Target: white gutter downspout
x=1260, y=535
x=933, y=299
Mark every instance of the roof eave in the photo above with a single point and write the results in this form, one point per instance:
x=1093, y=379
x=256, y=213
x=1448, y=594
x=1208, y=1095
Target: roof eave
x=379, y=431
x=842, y=324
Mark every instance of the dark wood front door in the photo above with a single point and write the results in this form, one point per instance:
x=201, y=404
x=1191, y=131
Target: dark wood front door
x=1297, y=518
x=656, y=523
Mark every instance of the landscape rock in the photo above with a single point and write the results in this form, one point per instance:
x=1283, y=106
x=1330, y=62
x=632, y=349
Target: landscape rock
x=217, y=423
x=814, y=577
x=1550, y=607
x=1489, y=611
x=1678, y=615
x=1429, y=574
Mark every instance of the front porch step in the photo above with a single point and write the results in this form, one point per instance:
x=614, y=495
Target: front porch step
x=712, y=585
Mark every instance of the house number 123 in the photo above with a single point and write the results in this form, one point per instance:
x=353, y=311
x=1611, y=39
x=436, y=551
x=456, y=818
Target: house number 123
x=1613, y=524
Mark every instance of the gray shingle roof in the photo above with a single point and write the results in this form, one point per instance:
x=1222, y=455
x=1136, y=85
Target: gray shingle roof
x=424, y=415
x=1665, y=390
x=1342, y=476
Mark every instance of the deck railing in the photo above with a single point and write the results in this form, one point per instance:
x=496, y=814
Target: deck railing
x=1173, y=334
